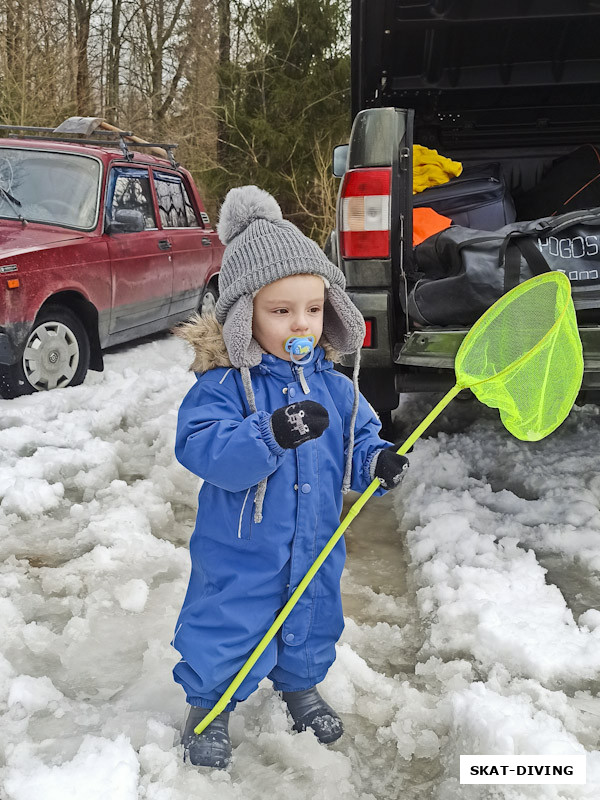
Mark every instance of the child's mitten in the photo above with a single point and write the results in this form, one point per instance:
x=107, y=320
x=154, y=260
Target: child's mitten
x=390, y=467
x=295, y=424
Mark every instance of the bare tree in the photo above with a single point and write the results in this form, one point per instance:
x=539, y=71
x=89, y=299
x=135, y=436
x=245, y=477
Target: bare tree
x=83, y=13
x=169, y=41
x=34, y=63
x=224, y=11
x=114, y=59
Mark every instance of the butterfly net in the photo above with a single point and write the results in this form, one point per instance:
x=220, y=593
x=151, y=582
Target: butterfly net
x=524, y=356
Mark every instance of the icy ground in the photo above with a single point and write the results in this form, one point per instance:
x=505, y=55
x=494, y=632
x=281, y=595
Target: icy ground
x=472, y=618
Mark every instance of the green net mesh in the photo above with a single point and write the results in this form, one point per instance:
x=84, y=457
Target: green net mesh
x=524, y=356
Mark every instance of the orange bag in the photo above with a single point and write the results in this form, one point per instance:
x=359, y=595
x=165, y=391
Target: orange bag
x=426, y=222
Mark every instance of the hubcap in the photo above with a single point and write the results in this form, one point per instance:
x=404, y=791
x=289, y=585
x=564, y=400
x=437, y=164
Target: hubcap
x=51, y=356
x=209, y=303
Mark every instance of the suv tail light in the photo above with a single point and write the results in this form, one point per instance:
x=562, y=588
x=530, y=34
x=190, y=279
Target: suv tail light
x=369, y=338
x=365, y=216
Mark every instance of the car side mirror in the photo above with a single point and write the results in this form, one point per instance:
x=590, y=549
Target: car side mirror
x=340, y=158
x=126, y=220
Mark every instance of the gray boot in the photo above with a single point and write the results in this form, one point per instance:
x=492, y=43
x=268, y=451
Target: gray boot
x=212, y=747
x=309, y=710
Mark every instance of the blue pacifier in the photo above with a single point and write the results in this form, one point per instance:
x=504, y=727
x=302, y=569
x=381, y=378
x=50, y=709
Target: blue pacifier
x=300, y=348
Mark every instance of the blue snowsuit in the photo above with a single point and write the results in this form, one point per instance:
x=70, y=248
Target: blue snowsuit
x=243, y=572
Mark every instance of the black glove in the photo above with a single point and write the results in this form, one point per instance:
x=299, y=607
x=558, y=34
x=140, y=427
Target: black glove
x=297, y=423
x=390, y=468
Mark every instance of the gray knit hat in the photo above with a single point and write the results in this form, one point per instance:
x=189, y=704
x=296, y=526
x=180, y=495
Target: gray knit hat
x=262, y=247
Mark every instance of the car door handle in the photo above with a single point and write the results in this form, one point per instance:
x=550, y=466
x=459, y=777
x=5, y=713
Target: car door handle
x=206, y=241
x=164, y=244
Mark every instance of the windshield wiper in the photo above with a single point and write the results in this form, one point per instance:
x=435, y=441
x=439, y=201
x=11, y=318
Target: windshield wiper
x=14, y=203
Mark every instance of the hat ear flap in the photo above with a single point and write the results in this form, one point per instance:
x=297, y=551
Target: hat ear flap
x=343, y=324
x=243, y=350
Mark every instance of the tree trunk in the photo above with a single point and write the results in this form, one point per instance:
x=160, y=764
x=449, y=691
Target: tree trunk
x=83, y=12
x=160, y=23
x=224, y=58
x=12, y=32
x=114, y=61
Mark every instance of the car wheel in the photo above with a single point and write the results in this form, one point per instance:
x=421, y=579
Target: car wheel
x=208, y=301
x=56, y=355
x=387, y=425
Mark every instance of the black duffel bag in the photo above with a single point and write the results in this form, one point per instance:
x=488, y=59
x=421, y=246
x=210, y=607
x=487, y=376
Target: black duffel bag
x=571, y=183
x=460, y=272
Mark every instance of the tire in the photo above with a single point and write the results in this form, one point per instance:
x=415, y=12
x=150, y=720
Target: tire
x=387, y=426
x=56, y=355
x=208, y=300
x=588, y=397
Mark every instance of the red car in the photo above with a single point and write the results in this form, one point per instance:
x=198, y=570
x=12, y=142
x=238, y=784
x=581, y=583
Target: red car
x=98, y=246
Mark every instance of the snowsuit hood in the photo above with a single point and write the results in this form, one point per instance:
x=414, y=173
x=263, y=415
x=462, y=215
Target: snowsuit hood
x=204, y=334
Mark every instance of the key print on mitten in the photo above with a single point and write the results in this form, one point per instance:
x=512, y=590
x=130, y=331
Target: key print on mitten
x=298, y=423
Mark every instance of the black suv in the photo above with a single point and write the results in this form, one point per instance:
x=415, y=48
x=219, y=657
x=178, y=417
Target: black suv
x=515, y=83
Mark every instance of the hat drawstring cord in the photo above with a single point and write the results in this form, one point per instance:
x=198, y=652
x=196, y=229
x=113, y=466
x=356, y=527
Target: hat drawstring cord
x=259, y=498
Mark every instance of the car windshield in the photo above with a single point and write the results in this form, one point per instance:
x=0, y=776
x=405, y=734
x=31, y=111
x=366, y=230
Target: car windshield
x=54, y=188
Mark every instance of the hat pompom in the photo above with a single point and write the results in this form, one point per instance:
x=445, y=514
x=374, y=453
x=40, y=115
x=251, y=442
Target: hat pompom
x=241, y=207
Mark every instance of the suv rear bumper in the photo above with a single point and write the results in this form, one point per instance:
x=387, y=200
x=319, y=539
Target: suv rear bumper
x=436, y=348
x=377, y=307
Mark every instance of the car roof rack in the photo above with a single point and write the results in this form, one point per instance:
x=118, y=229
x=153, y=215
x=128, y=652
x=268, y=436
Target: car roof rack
x=78, y=129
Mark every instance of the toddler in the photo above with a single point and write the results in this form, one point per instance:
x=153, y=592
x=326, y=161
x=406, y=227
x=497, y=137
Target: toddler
x=276, y=442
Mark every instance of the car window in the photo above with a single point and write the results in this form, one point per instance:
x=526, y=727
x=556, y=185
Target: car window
x=174, y=204
x=129, y=188
x=52, y=188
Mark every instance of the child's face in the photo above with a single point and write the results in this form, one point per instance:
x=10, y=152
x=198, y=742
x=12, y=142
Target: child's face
x=288, y=307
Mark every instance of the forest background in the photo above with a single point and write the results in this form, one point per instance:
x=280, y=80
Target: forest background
x=253, y=91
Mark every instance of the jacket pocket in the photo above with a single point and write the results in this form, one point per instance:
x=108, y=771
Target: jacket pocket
x=244, y=526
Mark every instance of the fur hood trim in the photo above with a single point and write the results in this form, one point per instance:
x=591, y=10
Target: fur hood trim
x=205, y=336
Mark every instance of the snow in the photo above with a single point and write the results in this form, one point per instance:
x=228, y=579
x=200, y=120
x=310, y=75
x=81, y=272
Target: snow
x=101, y=770
x=473, y=622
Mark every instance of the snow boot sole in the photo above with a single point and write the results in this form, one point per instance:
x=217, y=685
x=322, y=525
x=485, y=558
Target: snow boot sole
x=212, y=747
x=309, y=710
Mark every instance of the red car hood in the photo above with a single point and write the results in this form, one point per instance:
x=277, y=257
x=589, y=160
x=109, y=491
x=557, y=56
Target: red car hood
x=15, y=239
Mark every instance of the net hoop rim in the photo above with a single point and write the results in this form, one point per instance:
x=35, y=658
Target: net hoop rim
x=547, y=277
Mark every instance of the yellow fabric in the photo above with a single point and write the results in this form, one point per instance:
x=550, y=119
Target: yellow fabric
x=524, y=356
x=432, y=169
